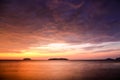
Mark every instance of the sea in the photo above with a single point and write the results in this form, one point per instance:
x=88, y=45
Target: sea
x=59, y=70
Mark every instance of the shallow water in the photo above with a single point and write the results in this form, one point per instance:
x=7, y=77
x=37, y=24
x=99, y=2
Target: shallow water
x=59, y=70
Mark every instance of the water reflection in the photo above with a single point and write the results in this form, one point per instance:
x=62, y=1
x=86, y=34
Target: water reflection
x=59, y=70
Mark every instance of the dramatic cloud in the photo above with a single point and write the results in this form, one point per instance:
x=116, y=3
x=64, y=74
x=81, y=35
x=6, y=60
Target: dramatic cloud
x=26, y=24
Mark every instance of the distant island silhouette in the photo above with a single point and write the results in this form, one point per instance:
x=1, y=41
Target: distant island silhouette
x=27, y=59
x=110, y=59
x=118, y=59
x=57, y=59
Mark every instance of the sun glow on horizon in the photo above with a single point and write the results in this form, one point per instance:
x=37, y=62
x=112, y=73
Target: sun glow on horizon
x=65, y=50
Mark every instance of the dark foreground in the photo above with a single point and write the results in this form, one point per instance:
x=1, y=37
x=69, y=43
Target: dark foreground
x=59, y=70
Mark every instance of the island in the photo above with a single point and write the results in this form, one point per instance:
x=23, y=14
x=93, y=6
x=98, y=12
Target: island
x=117, y=59
x=27, y=59
x=110, y=59
x=57, y=59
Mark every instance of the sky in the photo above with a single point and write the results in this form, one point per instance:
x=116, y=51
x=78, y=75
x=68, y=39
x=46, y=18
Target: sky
x=73, y=29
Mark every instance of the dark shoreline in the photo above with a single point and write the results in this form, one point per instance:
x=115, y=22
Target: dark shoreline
x=67, y=60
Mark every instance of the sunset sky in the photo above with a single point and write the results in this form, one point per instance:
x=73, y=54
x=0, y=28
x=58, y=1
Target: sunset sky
x=74, y=29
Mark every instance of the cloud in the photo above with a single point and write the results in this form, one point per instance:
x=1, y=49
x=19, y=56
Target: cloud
x=107, y=51
x=93, y=47
x=10, y=51
x=29, y=23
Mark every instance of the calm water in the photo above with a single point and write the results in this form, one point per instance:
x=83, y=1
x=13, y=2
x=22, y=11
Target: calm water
x=59, y=70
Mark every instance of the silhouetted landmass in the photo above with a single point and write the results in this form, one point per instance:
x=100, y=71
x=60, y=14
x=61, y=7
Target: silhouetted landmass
x=118, y=59
x=27, y=59
x=109, y=59
x=58, y=59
